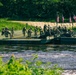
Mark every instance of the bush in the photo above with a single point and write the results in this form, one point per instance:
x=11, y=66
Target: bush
x=33, y=67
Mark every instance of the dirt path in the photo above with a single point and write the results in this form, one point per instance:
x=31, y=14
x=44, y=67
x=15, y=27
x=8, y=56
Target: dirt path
x=36, y=23
x=47, y=23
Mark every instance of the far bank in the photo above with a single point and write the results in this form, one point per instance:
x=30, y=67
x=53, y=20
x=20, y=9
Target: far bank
x=52, y=24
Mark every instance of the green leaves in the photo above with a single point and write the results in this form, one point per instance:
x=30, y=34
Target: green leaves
x=33, y=67
x=1, y=4
x=42, y=10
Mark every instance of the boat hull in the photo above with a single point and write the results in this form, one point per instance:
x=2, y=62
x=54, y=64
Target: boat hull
x=24, y=41
x=65, y=40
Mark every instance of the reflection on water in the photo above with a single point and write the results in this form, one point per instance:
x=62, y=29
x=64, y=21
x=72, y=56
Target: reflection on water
x=63, y=55
x=18, y=48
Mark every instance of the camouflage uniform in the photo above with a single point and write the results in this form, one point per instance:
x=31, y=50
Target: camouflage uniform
x=49, y=32
x=45, y=28
x=36, y=31
x=29, y=32
x=23, y=31
x=41, y=31
x=7, y=32
x=12, y=32
x=3, y=31
x=65, y=29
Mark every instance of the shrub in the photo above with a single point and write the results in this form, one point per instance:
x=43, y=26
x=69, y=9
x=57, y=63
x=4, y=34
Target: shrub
x=33, y=67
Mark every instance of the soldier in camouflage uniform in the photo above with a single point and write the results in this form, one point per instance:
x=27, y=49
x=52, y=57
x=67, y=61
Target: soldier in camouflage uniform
x=45, y=28
x=7, y=32
x=29, y=32
x=24, y=31
x=49, y=30
x=65, y=29
x=3, y=31
x=12, y=31
x=36, y=31
x=41, y=31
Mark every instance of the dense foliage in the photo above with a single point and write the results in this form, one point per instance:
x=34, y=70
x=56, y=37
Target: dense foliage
x=36, y=9
x=33, y=67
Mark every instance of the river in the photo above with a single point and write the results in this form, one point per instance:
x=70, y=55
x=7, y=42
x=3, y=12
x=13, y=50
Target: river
x=63, y=55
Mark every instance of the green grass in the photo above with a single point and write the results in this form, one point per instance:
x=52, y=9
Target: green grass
x=33, y=67
x=17, y=26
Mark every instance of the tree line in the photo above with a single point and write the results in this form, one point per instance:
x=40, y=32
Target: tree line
x=36, y=9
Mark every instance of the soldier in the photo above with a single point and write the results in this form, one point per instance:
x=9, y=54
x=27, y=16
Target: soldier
x=48, y=26
x=29, y=32
x=49, y=30
x=36, y=31
x=26, y=25
x=54, y=31
x=41, y=31
x=23, y=31
x=3, y=31
x=45, y=28
x=7, y=32
x=12, y=31
x=65, y=29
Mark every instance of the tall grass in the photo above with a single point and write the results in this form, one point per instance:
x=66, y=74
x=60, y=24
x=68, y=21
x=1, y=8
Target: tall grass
x=17, y=26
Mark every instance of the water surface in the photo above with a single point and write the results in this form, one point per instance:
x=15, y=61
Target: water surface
x=63, y=55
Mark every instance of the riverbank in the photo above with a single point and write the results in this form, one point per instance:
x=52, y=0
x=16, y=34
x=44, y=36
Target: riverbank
x=47, y=23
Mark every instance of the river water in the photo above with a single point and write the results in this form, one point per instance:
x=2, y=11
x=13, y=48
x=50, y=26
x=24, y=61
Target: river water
x=63, y=55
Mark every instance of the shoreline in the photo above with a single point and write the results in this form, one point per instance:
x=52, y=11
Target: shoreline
x=47, y=23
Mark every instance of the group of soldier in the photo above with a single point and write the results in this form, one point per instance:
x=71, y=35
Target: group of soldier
x=57, y=31
x=30, y=31
x=47, y=30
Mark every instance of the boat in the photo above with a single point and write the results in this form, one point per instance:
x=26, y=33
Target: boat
x=48, y=40
x=25, y=41
x=64, y=40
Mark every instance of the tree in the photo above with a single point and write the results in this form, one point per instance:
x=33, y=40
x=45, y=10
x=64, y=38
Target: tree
x=36, y=9
x=1, y=4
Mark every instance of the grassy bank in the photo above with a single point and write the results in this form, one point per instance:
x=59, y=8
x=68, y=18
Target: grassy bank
x=17, y=26
x=33, y=67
